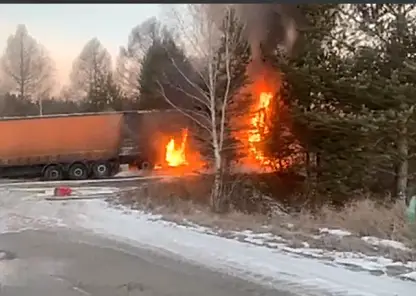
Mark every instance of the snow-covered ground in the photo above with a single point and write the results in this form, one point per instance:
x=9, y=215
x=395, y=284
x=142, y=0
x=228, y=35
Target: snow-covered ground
x=264, y=257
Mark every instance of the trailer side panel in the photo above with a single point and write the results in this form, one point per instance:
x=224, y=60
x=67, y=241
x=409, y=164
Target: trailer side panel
x=35, y=141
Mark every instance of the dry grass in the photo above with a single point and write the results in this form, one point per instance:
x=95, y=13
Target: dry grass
x=179, y=199
x=364, y=217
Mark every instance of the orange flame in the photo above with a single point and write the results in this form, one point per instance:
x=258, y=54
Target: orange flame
x=176, y=156
x=259, y=126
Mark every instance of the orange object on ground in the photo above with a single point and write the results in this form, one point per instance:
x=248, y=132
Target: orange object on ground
x=62, y=191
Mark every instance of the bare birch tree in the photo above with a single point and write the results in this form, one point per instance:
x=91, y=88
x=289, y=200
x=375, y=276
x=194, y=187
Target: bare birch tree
x=27, y=66
x=209, y=32
x=126, y=73
x=93, y=63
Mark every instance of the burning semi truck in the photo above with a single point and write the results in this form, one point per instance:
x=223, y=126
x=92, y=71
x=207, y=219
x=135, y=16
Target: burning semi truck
x=82, y=146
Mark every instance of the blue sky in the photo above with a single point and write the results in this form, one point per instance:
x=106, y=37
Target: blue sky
x=64, y=28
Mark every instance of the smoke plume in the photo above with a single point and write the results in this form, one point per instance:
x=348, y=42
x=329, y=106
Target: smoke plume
x=270, y=25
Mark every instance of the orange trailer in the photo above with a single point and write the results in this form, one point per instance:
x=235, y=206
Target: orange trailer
x=81, y=146
x=42, y=140
x=76, y=146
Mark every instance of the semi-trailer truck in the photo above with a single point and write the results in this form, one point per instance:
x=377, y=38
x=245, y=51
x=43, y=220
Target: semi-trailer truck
x=79, y=146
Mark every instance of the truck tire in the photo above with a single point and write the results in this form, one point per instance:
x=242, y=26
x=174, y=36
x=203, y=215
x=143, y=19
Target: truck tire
x=101, y=169
x=53, y=173
x=146, y=166
x=78, y=171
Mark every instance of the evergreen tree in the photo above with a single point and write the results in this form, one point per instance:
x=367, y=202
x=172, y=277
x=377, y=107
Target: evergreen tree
x=387, y=86
x=313, y=87
x=351, y=102
x=105, y=96
x=164, y=66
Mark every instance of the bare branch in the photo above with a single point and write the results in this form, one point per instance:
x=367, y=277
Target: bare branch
x=227, y=88
x=93, y=62
x=188, y=94
x=191, y=83
x=27, y=65
x=162, y=92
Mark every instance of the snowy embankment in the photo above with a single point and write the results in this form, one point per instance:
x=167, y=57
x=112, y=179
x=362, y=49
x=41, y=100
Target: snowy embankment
x=260, y=257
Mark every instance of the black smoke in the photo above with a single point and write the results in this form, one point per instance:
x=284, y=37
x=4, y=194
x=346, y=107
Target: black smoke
x=269, y=26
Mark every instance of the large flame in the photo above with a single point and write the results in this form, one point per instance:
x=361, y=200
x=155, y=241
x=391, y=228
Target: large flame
x=265, y=90
x=176, y=154
x=259, y=127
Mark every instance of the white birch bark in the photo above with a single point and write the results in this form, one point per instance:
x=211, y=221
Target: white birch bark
x=202, y=39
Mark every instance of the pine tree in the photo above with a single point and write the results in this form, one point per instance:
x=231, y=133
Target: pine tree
x=314, y=91
x=116, y=99
x=105, y=96
x=160, y=69
x=152, y=70
x=353, y=112
x=388, y=88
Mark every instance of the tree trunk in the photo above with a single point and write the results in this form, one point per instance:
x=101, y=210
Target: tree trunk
x=217, y=196
x=217, y=203
x=22, y=77
x=40, y=107
x=311, y=160
x=403, y=164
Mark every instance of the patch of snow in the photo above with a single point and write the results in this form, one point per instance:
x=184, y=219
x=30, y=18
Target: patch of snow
x=273, y=245
x=411, y=265
x=351, y=259
x=255, y=241
x=128, y=173
x=266, y=236
x=271, y=266
x=362, y=263
x=384, y=242
x=290, y=225
x=409, y=276
x=337, y=232
x=247, y=232
x=18, y=184
x=282, y=267
x=309, y=252
x=42, y=192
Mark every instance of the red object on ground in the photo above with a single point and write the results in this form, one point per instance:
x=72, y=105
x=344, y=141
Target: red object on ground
x=62, y=191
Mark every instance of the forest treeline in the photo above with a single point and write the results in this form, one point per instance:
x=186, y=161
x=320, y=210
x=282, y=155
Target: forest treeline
x=346, y=99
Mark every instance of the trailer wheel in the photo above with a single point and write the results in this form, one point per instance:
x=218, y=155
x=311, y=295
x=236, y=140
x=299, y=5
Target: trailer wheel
x=78, y=171
x=146, y=166
x=101, y=169
x=53, y=173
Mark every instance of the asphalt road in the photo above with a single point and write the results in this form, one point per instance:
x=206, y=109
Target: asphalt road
x=69, y=263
